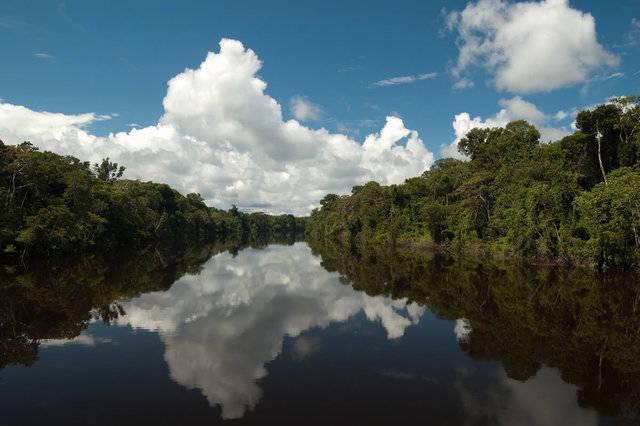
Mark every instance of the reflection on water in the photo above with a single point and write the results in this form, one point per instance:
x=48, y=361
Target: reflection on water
x=281, y=334
x=222, y=326
x=544, y=400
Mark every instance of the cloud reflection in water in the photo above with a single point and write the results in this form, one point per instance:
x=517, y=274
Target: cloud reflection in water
x=222, y=326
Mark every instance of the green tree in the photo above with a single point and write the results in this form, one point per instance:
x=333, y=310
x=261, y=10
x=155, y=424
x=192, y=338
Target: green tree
x=108, y=171
x=610, y=215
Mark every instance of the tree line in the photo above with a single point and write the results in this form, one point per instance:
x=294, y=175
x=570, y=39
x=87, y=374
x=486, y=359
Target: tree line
x=58, y=205
x=575, y=200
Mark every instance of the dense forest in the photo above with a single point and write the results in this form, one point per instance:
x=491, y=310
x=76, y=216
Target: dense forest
x=575, y=200
x=58, y=205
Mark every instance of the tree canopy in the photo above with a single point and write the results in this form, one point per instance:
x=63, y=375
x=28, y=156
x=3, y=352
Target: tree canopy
x=571, y=200
x=54, y=204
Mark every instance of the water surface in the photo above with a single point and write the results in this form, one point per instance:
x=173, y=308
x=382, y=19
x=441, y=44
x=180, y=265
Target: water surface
x=284, y=335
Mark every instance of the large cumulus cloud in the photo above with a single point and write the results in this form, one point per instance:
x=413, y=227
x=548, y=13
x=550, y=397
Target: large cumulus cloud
x=222, y=135
x=529, y=46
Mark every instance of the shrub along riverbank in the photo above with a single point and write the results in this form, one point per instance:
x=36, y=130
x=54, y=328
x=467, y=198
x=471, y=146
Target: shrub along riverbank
x=56, y=205
x=575, y=200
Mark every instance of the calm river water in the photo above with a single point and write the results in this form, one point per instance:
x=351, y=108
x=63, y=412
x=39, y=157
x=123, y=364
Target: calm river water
x=285, y=335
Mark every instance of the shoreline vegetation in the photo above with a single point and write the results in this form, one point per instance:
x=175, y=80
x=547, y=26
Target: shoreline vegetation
x=462, y=240
x=55, y=206
x=575, y=201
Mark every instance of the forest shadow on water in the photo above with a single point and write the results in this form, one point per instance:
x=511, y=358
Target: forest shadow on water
x=296, y=332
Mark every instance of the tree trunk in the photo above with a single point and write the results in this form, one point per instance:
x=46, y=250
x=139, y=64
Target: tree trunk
x=604, y=176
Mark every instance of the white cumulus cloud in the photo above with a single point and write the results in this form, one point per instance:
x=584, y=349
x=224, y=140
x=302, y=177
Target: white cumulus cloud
x=529, y=46
x=303, y=109
x=463, y=83
x=223, y=136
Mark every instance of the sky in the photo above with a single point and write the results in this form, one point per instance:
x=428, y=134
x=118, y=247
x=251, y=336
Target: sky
x=272, y=105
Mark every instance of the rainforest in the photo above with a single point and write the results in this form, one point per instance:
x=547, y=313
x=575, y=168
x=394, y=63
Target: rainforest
x=573, y=201
x=336, y=212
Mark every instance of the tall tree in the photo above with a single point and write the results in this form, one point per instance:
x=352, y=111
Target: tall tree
x=108, y=171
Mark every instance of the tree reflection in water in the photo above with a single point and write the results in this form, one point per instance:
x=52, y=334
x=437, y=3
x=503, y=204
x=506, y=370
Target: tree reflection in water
x=223, y=315
x=585, y=324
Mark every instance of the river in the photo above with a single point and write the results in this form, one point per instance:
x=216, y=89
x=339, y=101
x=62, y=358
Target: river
x=283, y=334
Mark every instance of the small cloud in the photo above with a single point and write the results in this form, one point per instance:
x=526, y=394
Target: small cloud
x=85, y=339
x=597, y=79
x=463, y=83
x=349, y=68
x=343, y=128
x=353, y=65
x=606, y=77
x=570, y=114
x=463, y=330
x=303, y=347
x=632, y=38
x=104, y=117
x=134, y=125
x=560, y=115
x=550, y=134
x=367, y=122
x=43, y=55
x=305, y=110
x=401, y=375
x=394, y=81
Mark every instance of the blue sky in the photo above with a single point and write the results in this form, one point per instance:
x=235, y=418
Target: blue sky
x=116, y=57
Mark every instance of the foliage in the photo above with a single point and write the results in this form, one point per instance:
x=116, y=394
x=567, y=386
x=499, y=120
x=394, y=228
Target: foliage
x=611, y=217
x=569, y=201
x=107, y=170
x=54, y=205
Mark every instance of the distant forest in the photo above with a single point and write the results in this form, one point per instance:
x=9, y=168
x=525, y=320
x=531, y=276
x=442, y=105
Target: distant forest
x=56, y=205
x=573, y=201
